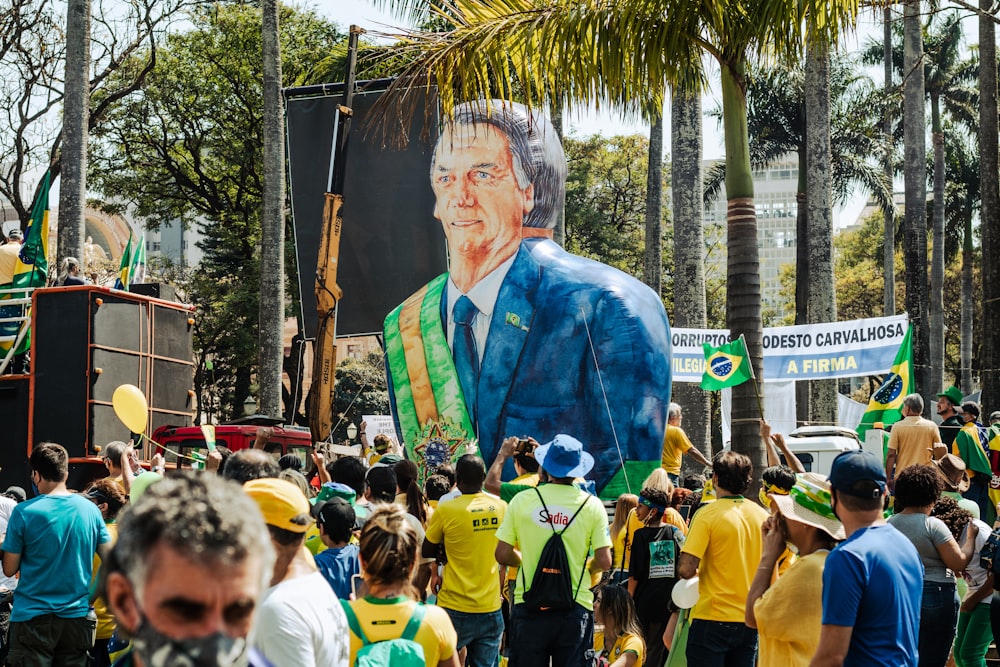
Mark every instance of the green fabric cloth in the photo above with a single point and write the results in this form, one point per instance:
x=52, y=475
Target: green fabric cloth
x=967, y=448
x=973, y=637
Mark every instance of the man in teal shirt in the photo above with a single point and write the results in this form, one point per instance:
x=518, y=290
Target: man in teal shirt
x=51, y=540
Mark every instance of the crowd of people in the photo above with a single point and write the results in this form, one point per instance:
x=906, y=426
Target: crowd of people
x=269, y=561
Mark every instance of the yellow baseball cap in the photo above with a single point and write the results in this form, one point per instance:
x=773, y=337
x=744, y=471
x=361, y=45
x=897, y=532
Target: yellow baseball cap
x=280, y=502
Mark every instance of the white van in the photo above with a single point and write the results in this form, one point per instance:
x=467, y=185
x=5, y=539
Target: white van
x=817, y=446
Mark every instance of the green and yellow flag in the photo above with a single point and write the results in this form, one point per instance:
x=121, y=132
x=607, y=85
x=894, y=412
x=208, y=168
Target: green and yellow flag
x=30, y=270
x=125, y=268
x=886, y=403
x=726, y=366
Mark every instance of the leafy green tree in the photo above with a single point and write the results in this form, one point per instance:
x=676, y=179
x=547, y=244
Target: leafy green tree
x=33, y=86
x=360, y=389
x=605, y=199
x=949, y=88
x=189, y=149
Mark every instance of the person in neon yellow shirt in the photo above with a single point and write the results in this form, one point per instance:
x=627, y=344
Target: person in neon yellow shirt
x=555, y=506
x=470, y=590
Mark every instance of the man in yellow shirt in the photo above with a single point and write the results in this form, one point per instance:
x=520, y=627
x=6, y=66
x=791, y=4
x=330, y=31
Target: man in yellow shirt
x=911, y=440
x=723, y=549
x=470, y=590
x=676, y=444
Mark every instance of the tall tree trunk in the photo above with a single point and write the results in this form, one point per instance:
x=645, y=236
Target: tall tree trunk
x=76, y=110
x=967, y=306
x=915, y=178
x=743, y=308
x=272, y=253
x=888, y=211
x=690, y=309
x=803, y=411
x=653, y=254
x=822, y=300
x=556, y=117
x=990, y=205
x=936, y=312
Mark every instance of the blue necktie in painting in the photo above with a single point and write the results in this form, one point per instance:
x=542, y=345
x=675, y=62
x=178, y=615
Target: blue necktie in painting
x=464, y=350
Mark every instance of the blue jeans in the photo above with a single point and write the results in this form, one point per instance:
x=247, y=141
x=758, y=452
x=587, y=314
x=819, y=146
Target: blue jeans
x=719, y=644
x=938, y=620
x=674, y=479
x=541, y=638
x=481, y=634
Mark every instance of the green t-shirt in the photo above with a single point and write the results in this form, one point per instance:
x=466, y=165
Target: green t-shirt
x=526, y=527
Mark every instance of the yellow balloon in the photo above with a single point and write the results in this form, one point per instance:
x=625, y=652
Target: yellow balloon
x=131, y=408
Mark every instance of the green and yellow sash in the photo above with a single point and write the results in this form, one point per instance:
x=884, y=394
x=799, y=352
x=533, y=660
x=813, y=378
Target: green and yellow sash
x=429, y=401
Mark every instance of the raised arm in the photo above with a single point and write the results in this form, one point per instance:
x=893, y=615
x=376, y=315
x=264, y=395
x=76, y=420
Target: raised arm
x=492, y=483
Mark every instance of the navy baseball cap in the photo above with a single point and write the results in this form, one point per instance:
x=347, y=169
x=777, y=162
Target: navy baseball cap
x=858, y=473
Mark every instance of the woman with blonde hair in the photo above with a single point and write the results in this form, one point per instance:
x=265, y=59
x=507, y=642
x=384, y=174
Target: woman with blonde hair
x=658, y=479
x=623, y=506
x=389, y=610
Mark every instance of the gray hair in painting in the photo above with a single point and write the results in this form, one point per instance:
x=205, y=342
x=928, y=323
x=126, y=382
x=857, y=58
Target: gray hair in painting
x=535, y=147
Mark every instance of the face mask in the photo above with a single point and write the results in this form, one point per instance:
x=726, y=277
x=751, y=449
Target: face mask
x=214, y=650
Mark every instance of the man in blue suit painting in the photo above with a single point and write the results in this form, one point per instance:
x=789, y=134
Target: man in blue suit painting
x=521, y=337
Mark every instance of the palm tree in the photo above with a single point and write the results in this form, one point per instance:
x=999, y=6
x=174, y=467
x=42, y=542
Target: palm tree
x=989, y=187
x=961, y=204
x=777, y=122
x=653, y=255
x=76, y=106
x=947, y=85
x=821, y=302
x=945, y=82
x=272, y=223
x=690, y=308
x=915, y=181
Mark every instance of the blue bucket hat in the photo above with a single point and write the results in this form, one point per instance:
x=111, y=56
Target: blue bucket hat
x=564, y=457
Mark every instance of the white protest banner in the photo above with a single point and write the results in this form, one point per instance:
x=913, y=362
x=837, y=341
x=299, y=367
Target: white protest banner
x=803, y=352
x=375, y=424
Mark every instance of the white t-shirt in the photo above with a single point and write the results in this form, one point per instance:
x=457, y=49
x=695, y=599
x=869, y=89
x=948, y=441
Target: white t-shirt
x=7, y=506
x=975, y=574
x=301, y=623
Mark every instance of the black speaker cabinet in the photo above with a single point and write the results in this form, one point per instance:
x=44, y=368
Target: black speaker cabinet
x=86, y=341
x=155, y=290
x=14, y=405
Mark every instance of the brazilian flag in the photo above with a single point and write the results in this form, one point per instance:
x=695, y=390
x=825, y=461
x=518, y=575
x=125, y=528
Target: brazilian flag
x=886, y=403
x=726, y=366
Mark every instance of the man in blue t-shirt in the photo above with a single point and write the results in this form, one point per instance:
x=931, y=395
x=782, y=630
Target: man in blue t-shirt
x=51, y=540
x=873, y=581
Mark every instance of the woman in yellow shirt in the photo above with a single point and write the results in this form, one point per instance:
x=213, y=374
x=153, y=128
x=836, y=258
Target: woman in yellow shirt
x=620, y=643
x=388, y=552
x=626, y=503
x=788, y=614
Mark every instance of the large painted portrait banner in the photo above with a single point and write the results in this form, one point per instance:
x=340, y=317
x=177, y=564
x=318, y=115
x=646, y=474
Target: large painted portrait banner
x=519, y=337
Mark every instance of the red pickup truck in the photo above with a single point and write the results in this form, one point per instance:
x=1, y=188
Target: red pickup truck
x=189, y=441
